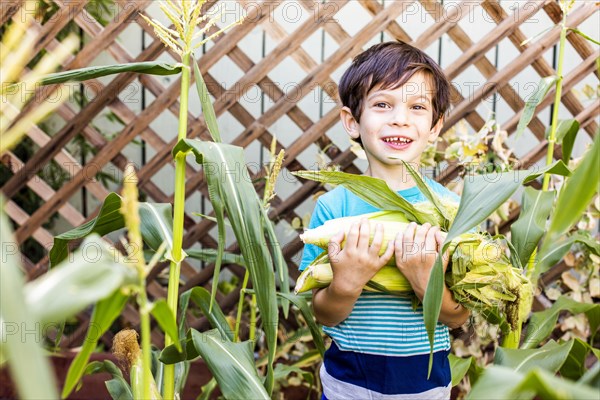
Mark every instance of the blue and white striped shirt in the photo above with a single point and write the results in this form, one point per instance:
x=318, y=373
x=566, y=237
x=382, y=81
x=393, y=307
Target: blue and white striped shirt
x=382, y=329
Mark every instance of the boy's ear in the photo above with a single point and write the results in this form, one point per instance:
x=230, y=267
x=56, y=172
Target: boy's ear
x=350, y=124
x=435, y=131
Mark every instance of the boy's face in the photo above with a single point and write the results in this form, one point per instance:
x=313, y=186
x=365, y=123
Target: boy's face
x=395, y=124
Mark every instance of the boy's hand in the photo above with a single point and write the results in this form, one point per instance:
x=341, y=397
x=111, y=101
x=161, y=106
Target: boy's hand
x=355, y=264
x=416, y=250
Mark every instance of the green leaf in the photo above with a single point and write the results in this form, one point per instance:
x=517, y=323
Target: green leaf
x=530, y=105
x=551, y=255
x=170, y=354
x=527, y=231
x=117, y=387
x=232, y=365
x=105, y=313
x=315, y=331
x=83, y=74
x=557, y=168
x=430, y=195
x=372, y=190
x=156, y=226
x=574, y=366
x=566, y=131
x=30, y=370
x=72, y=286
x=481, y=196
x=201, y=297
x=207, y=108
x=207, y=390
x=165, y=318
x=542, y=323
x=551, y=357
x=575, y=196
x=500, y=383
x=583, y=35
x=226, y=174
x=459, y=367
x=281, y=267
x=210, y=255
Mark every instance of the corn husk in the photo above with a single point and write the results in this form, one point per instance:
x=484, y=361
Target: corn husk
x=480, y=274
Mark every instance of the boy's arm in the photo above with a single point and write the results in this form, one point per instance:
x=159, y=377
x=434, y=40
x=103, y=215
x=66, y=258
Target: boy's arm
x=416, y=250
x=353, y=266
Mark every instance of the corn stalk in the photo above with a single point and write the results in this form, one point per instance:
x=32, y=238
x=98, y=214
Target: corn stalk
x=184, y=16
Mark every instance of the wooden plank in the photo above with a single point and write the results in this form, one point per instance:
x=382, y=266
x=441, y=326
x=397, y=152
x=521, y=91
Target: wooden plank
x=8, y=8
x=17, y=214
x=504, y=28
x=61, y=138
x=42, y=189
x=540, y=65
x=534, y=52
x=487, y=69
x=58, y=21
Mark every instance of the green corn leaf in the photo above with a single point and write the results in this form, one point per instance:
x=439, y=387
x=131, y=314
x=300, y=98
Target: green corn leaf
x=201, y=297
x=207, y=390
x=224, y=168
x=105, y=313
x=430, y=195
x=170, y=354
x=117, y=387
x=156, y=227
x=30, y=370
x=232, y=365
x=83, y=74
x=165, y=318
x=536, y=98
x=372, y=190
x=575, y=196
x=281, y=267
x=315, y=331
x=207, y=108
x=566, y=132
x=459, y=367
x=210, y=255
x=527, y=231
x=583, y=35
x=557, y=168
x=542, y=323
x=551, y=255
x=481, y=196
x=91, y=275
x=574, y=366
x=504, y=383
x=551, y=357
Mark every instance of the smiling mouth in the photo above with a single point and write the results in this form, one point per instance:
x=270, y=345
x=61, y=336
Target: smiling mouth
x=400, y=140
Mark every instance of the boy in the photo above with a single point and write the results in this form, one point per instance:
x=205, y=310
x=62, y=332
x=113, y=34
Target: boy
x=394, y=98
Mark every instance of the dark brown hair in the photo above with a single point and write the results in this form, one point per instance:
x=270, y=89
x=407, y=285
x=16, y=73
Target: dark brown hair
x=388, y=66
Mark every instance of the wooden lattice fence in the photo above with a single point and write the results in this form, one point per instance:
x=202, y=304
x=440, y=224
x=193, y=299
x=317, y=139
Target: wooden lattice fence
x=274, y=78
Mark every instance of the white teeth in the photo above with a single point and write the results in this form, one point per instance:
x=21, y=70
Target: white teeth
x=397, y=139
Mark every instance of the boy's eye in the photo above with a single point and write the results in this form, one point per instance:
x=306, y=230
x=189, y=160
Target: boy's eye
x=419, y=107
x=381, y=104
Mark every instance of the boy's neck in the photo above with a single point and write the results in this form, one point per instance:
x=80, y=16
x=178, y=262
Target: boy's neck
x=396, y=178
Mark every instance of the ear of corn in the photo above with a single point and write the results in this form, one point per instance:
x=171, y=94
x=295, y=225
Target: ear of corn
x=480, y=275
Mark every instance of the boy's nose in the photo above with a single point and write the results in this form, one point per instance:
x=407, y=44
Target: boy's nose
x=400, y=116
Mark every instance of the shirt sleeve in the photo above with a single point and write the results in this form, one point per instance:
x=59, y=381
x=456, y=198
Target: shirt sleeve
x=320, y=214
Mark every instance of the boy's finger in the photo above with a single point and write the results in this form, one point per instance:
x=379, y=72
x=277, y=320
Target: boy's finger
x=399, y=245
x=389, y=252
x=353, y=234
x=409, y=233
x=421, y=233
x=364, y=234
x=430, y=239
x=377, y=239
x=335, y=244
